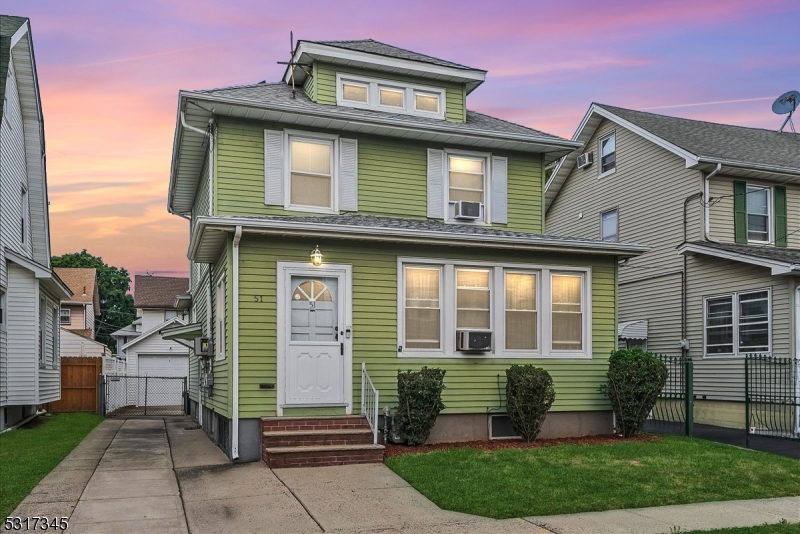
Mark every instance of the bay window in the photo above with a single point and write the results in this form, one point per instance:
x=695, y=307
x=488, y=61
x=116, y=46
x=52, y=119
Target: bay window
x=532, y=311
x=738, y=324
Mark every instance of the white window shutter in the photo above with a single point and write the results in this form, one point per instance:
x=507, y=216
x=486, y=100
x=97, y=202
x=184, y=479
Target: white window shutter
x=348, y=175
x=435, y=184
x=499, y=190
x=273, y=167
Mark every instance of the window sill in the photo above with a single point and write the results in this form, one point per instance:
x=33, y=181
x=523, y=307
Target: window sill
x=310, y=209
x=607, y=173
x=434, y=355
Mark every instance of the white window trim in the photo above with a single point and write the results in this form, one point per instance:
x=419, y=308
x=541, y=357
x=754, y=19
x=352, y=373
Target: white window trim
x=311, y=137
x=735, y=305
x=600, y=172
x=373, y=98
x=770, y=213
x=221, y=325
x=602, y=213
x=487, y=186
x=62, y=315
x=501, y=324
x=25, y=215
x=401, y=304
x=448, y=313
x=3, y=312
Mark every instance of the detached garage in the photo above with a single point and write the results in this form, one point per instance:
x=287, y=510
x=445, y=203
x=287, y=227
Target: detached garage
x=163, y=365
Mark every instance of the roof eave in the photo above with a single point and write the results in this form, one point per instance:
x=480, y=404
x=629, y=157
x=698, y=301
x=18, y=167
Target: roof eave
x=394, y=235
x=776, y=267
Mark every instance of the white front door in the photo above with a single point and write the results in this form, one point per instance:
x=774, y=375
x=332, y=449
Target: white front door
x=315, y=337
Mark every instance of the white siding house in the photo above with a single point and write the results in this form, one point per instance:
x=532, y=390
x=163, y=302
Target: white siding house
x=29, y=290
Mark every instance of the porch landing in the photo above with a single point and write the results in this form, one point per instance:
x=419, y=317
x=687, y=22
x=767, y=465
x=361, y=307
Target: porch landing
x=311, y=441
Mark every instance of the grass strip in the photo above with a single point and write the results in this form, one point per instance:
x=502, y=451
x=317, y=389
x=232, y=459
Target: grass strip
x=29, y=453
x=567, y=479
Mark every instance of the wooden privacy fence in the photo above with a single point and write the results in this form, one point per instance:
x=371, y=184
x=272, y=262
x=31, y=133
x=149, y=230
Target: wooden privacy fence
x=79, y=385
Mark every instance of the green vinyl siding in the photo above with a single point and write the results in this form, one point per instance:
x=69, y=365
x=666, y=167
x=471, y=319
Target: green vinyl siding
x=324, y=87
x=392, y=177
x=472, y=384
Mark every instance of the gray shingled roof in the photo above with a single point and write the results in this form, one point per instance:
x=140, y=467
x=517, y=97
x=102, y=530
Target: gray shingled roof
x=372, y=46
x=8, y=27
x=279, y=92
x=719, y=141
x=786, y=255
x=411, y=225
x=158, y=291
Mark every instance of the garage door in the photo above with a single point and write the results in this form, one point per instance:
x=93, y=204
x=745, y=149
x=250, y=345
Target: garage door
x=163, y=365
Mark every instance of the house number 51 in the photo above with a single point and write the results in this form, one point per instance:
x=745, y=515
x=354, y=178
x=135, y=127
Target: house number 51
x=260, y=298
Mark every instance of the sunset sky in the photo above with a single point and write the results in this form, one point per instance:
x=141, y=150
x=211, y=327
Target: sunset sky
x=109, y=74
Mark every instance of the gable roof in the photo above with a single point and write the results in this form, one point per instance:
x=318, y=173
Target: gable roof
x=8, y=27
x=780, y=260
x=739, y=150
x=158, y=291
x=152, y=331
x=83, y=284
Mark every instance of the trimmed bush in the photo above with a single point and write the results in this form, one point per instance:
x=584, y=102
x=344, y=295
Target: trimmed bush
x=529, y=396
x=635, y=380
x=419, y=397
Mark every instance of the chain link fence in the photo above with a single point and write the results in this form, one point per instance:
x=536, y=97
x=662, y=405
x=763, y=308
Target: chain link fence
x=126, y=395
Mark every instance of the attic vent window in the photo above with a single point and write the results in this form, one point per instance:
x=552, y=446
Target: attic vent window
x=390, y=96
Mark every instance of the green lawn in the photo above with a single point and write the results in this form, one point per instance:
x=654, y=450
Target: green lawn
x=780, y=528
x=28, y=454
x=567, y=479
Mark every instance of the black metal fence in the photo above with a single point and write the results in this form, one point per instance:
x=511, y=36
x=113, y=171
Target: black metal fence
x=125, y=395
x=674, y=410
x=772, y=397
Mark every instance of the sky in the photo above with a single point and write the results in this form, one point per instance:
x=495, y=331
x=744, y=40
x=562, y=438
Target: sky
x=110, y=72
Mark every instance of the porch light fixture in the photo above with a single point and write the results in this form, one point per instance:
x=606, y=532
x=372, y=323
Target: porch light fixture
x=316, y=256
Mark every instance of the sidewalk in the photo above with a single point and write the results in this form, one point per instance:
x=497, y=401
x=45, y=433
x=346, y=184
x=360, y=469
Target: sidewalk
x=679, y=518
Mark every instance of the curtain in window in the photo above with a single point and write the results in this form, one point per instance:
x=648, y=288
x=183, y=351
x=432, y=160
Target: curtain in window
x=466, y=179
x=311, y=174
x=472, y=299
x=422, y=308
x=521, y=315
x=567, y=314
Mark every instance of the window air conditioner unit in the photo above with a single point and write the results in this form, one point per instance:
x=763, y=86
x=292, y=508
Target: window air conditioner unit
x=202, y=347
x=468, y=210
x=585, y=159
x=473, y=340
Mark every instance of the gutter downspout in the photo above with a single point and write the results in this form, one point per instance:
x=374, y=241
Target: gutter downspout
x=707, y=207
x=701, y=195
x=235, y=434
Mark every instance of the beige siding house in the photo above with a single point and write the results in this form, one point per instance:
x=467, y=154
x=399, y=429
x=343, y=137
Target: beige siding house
x=719, y=207
x=78, y=313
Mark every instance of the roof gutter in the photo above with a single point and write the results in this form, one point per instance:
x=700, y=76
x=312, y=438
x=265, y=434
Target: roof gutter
x=773, y=169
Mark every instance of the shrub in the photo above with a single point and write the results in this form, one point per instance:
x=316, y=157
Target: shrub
x=529, y=395
x=635, y=380
x=419, y=397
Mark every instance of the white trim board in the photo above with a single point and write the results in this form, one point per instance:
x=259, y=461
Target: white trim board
x=777, y=267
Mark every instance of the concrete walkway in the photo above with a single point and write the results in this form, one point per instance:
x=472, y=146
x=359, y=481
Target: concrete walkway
x=156, y=475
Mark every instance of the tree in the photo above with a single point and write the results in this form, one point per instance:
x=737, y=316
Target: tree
x=116, y=306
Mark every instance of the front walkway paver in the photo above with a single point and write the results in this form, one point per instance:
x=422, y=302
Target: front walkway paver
x=678, y=518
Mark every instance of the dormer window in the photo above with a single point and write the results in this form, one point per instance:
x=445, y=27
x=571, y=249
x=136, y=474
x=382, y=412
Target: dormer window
x=390, y=96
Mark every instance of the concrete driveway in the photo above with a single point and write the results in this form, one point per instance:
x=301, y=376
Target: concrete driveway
x=154, y=475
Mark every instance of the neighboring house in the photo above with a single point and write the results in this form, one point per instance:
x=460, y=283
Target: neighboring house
x=29, y=290
x=145, y=351
x=719, y=207
x=80, y=311
x=426, y=223
x=75, y=344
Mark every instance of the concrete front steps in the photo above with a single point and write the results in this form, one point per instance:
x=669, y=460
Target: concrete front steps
x=318, y=441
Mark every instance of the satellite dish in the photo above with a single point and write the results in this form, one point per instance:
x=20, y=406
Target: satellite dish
x=787, y=103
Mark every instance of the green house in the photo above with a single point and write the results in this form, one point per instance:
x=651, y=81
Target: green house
x=355, y=219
